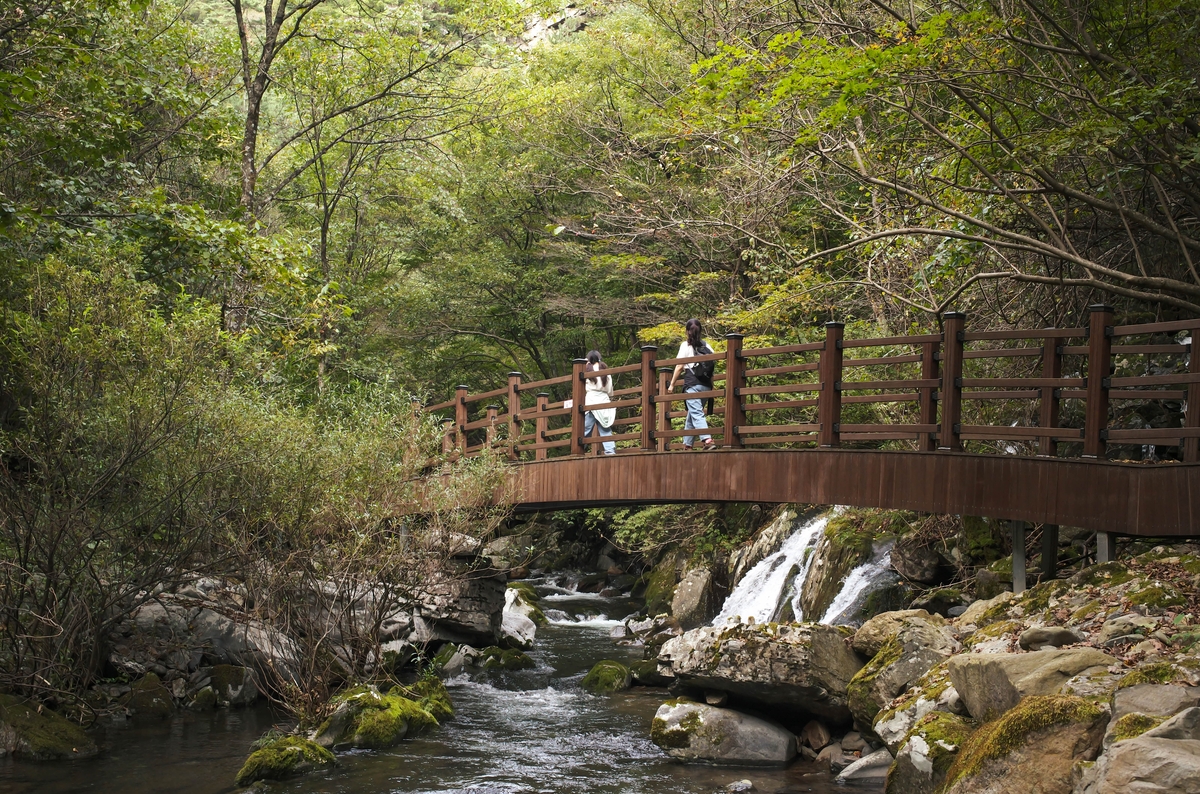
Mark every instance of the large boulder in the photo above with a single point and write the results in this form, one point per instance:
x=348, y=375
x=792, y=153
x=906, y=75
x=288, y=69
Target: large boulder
x=872, y=766
x=806, y=666
x=233, y=685
x=1155, y=699
x=284, y=758
x=31, y=731
x=933, y=693
x=916, y=562
x=1164, y=760
x=991, y=684
x=148, y=700
x=607, y=676
x=871, y=635
x=368, y=719
x=517, y=628
x=928, y=753
x=697, y=732
x=693, y=602
x=463, y=608
x=1032, y=748
x=915, y=649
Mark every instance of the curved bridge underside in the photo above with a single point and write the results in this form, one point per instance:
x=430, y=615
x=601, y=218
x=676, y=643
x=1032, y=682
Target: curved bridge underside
x=1130, y=499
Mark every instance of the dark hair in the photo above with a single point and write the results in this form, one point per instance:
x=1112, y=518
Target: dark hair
x=594, y=363
x=695, y=333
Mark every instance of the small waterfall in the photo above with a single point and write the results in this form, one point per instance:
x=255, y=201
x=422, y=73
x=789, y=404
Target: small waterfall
x=760, y=593
x=858, y=584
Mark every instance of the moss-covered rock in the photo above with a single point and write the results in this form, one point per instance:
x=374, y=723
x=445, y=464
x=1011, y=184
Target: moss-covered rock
x=234, y=685
x=903, y=659
x=282, y=759
x=928, y=752
x=1131, y=726
x=645, y=673
x=32, y=731
x=431, y=695
x=1032, y=747
x=1157, y=597
x=607, y=676
x=845, y=544
x=1154, y=673
x=365, y=718
x=528, y=602
x=149, y=700
x=205, y=700
x=495, y=658
x=660, y=587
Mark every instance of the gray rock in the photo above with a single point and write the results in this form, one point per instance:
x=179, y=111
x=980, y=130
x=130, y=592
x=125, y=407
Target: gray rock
x=869, y=767
x=1124, y=625
x=871, y=636
x=1184, y=725
x=1157, y=699
x=916, y=648
x=517, y=629
x=1036, y=638
x=991, y=684
x=693, y=601
x=1145, y=765
x=815, y=735
x=806, y=666
x=832, y=754
x=697, y=732
x=989, y=584
x=976, y=609
x=927, y=754
x=740, y=785
x=853, y=742
x=914, y=562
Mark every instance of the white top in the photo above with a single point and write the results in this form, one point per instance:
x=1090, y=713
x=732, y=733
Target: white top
x=687, y=351
x=597, y=390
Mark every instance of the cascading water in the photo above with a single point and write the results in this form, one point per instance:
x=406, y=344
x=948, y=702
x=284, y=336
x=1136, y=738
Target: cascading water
x=858, y=584
x=778, y=579
x=762, y=591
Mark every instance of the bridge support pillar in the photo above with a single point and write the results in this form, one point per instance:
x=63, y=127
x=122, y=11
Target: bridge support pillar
x=1018, y=562
x=1106, y=547
x=1049, y=551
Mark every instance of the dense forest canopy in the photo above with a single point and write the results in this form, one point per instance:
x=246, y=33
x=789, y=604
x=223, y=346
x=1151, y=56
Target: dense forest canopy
x=235, y=238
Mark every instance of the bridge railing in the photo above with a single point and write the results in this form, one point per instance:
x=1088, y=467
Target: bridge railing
x=1052, y=391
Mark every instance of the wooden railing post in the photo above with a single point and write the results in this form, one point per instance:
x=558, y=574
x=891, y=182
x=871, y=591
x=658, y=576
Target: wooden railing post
x=649, y=390
x=735, y=379
x=1191, y=446
x=663, y=416
x=460, y=417
x=1095, y=421
x=540, y=426
x=829, y=403
x=1048, y=416
x=951, y=391
x=493, y=412
x=577, y=395
x=928, y=395
x=514, y=408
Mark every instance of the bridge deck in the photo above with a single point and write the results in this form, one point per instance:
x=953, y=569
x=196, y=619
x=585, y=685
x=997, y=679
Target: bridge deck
x=1121, y=498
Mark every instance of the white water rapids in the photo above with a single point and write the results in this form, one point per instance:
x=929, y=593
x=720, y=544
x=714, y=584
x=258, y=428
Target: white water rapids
x=766, y=588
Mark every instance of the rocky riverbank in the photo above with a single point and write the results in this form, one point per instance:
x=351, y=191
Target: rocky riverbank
x=1089, y=684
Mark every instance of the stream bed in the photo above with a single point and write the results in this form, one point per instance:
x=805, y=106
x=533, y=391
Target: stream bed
x=514, y=733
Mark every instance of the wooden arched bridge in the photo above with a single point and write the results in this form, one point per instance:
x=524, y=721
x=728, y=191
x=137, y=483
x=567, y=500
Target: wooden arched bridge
x=1025, y=425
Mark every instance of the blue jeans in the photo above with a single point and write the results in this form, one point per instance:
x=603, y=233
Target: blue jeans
x=695, y=415
x=589, y=422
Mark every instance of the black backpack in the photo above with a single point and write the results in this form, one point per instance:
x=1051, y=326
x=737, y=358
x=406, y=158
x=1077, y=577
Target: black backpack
x=703, y=370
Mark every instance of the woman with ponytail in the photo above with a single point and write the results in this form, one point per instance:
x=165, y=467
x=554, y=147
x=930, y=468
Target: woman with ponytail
x=694, y=345
x=598, y=390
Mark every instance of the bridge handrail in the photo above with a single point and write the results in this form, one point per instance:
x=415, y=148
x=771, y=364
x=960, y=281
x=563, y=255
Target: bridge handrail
x=928, y=402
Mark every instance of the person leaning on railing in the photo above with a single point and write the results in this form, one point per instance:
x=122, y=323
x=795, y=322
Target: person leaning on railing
x=693, y=382
x=599, y=390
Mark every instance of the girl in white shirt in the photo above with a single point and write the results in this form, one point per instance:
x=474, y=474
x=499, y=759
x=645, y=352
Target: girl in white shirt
x=596, y=391
x=693, y=346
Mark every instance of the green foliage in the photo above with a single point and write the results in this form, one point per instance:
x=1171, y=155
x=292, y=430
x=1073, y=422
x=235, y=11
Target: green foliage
x=283, y=758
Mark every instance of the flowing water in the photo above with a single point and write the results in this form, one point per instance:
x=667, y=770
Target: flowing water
x=514, y=733
x=860, y=583
x=761, y=592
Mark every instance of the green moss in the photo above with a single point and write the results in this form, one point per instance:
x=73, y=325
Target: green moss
x=992, y=632
x=284, y=758
x=660, y=587
x=1106, y=573
x=981, y=541
x=1190, y=563
x=395, y=718
x=929, y=687
x=531, y=600
x=675, y=737
x=1038, y=598
x=1158, y=597
x=205, y=700
x=41, y=734
x=859, y=690
x=1001, y=736
x=606, y=676
x=494, y=658
x=444, y=655
x=1158, y=673
x=526, y=590
x=431, y=694
x=150, y=700
x=1086, y=611
x=1133, y=725
x=1002, y=566
x=945, y=734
